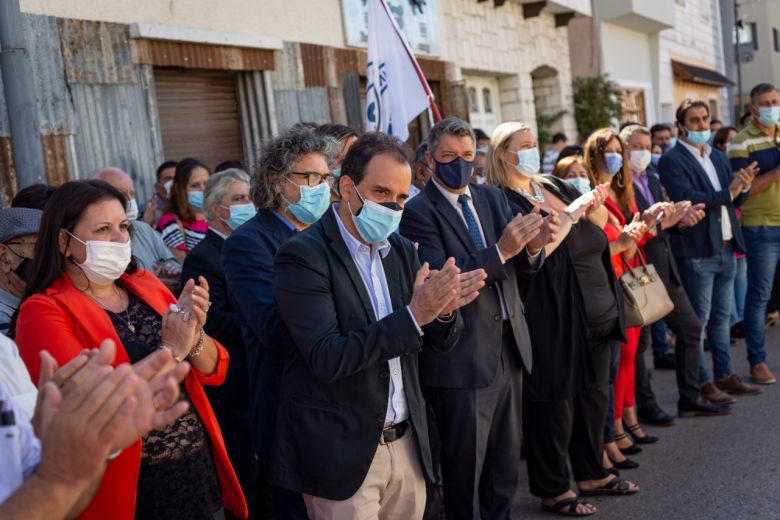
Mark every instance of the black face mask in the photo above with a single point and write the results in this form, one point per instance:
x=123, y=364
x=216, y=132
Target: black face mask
x=23, y=269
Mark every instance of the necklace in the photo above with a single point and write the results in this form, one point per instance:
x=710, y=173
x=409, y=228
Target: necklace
x=126, y=320
x=538, y=196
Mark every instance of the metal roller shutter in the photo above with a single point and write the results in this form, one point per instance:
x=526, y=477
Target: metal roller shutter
x=199, y=115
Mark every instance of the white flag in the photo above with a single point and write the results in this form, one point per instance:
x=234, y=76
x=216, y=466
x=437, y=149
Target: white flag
x=396, y=94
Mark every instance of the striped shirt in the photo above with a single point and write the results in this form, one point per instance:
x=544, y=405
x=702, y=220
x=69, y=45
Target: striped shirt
x=752, y=144
x=171, y=232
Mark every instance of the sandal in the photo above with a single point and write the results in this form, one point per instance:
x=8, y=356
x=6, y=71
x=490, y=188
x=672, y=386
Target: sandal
x=633, y=449
x=616, y=486
x=645, y=439
x=568, y=507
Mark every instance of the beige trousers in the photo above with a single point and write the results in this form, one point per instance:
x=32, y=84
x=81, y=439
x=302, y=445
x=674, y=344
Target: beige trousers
x=394, y=488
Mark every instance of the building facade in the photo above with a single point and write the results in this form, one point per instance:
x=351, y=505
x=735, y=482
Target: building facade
x=657, y=52
x=132, y=84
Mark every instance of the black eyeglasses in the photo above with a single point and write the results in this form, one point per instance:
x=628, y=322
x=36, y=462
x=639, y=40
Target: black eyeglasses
x=315, y=179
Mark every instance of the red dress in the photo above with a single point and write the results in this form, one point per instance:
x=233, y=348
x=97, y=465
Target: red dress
x=63, y=321
x=625, y=380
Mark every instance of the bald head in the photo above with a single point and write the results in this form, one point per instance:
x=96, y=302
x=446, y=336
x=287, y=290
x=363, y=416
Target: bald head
x=116, y=178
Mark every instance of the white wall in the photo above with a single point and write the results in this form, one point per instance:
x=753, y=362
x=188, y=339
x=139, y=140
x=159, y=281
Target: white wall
x=497, y=41
x=308, y=21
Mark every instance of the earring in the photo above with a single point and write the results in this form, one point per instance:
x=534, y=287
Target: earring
x=620, y=181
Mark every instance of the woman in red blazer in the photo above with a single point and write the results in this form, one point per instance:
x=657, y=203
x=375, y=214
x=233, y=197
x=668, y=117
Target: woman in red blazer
x=84, y=288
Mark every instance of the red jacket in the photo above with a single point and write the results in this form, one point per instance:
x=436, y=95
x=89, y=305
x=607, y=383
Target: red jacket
x=63, y=321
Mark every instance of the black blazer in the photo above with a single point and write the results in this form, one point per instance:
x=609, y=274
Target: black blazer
x=430, y=220
x=658, y=249
x=247, y=258
x=685, y=179
x=336, y=376
x=223, y=322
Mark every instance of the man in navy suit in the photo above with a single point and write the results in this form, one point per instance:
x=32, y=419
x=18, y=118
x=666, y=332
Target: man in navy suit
x=291, y=189
x=474, y=390
x=694, y=171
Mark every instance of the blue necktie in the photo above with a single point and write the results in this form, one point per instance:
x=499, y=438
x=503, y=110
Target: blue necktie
x=471, y=222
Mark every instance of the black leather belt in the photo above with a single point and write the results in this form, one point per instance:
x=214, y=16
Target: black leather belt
x=394, y=432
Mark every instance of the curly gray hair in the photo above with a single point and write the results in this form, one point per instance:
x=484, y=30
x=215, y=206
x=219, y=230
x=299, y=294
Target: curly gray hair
x=278, y=157
x=216, y=187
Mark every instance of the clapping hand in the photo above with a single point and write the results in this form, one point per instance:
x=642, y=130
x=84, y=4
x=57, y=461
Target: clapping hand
x=518, y=233
x=470, y=284
x=194, y=300
x=693, y=215
x=547, y=232
x=434, y=291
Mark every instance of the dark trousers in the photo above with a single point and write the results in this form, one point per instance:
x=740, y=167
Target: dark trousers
x=572, y=429
x=687, y=327
x=237, y=435
x=479, y=433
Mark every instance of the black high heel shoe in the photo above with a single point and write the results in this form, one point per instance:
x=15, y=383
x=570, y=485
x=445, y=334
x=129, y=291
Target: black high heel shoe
x=631, y=450
x=625, y=464
x=645, y=439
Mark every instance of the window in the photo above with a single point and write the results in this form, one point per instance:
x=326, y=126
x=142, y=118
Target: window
x=776, y=38
x=487, y=100
x=748, y=35
x=713, y=108
x=473, y=106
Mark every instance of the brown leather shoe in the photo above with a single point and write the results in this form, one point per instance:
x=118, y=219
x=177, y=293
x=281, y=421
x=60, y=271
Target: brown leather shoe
x=762, y=375
x=734, y=385
x=713, y=394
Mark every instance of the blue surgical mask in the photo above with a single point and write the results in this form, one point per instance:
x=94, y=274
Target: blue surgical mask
x=313, y=203
x=655, y=158
x=337, y=172
x=455, y=174
x=672, y=142
x=768, y=116
x=195, y=199
x=528, y=162
x=240, y=213
x=614, y=162
x=581, y=184
x=699, y=137
x=375, y=222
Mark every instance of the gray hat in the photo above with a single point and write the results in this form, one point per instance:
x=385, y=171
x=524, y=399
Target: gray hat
x=16, y=222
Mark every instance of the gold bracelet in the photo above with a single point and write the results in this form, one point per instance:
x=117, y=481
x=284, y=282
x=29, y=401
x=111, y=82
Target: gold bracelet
x=199, y=347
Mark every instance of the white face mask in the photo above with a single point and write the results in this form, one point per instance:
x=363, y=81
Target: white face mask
x=106, y=261
x=639, y=160
x=132, y=209
x=168, y=185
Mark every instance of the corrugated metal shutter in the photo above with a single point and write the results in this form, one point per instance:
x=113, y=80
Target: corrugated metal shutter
x=199, y=115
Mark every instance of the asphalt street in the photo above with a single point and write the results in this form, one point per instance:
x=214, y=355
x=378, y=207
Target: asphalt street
x=704, y=468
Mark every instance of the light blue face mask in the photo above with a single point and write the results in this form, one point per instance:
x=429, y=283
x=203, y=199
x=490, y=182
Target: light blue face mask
x=240, y=213
x=655, y=158
x=614, y=162
x=581, y=184
x=375, y=222
x=699, y=137
x=768, y=116
x=528, y=162
x=195, y=199
x=672, y=142
x=337, y=172
x=313, y=204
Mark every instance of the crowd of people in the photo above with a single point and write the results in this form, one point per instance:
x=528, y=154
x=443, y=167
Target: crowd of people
x=350, y=330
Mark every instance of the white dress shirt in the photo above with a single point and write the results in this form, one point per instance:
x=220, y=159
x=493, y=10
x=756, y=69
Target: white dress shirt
x=709, y=168
x=16, y=378
x=20, y=450
x=368, y=261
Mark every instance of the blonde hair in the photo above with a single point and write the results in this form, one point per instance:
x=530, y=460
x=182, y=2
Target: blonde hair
x=622, y=182
x=497, y=174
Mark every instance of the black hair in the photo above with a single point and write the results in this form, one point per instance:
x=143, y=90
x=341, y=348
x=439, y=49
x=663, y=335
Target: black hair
x=659, y=127
x=367, y=147
x=761, y=88
x=568, y=151
x=626, y=124
x=165, y=166
x=688, y=104
x=227, y=165
x=480, y=134
x=34, y=196
x=559, y=137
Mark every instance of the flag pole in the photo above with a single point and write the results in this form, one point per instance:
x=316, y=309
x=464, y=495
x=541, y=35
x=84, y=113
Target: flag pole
x=431, y=99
